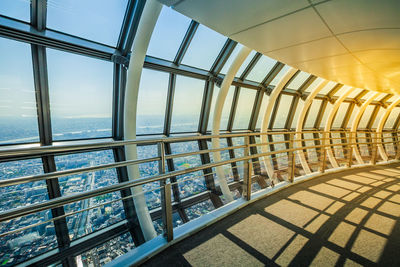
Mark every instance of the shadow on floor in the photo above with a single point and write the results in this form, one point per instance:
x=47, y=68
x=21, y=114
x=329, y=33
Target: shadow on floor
x=349, y=218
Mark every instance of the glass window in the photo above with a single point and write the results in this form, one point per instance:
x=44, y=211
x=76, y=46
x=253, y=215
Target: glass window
x=283, y=111
x=204, y=48
x=352, y=116
x=342, y=90
x=381, y=111
x=381, y=96
x=279, y=76
x=226, y=110
x=340, y=114
x=261, y=69
x=299, y=108
x=328, y=109
x=328, y=87
x=368, y=95
x=313, y=85
x=392, y=118
x=366, y=117
x=298, y=80
x=244, y=108
x=312, y=113
x=212, y=107
x=263, y=108
x=151, y=103
x=80, y=95
x=199, y=209
x=231, y=58
x=355, y=92
x=245, y=63
x=97, y=20
x=88, y=221
x=18, y=9
x=18, y=115
x=187, y=104
x=168, y=34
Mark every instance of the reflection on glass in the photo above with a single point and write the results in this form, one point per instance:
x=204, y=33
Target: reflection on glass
x=18, y=9
x=204, y=48
x=313, y=113
x=106, y=252
x=187, y=104
x=168, y=34
x=244, y=108
x=80, y=95
x=340, y=114
x=366, y=117
x=298, y=80
x=98, y=20
x=264, y=104
x=199, y=209
x=283, y=111
x=151, y=102
x=261, y=69
x=88, y=221
x=18, y=115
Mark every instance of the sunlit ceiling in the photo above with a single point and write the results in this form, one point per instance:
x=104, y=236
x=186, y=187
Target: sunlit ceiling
x=353, y=42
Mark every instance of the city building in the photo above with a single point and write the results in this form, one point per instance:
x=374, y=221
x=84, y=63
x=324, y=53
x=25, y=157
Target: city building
x=128, y=126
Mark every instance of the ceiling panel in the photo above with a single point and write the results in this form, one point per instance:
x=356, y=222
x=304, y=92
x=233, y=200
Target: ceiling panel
x=371, y=39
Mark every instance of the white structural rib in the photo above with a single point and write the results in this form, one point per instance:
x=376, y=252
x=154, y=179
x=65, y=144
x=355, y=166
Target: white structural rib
x=300, y=123
x=379, y=129
x=328, y=126
x=355, y=123
x=145, y=29
x=267, y=116
x=219, y=104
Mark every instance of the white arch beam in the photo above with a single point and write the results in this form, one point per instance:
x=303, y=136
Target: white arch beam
x=267, y=116
x=328, y=126
x=145, y=29
x=219, y=104
x=300, y=122
x=379, y=129
x=355, y=123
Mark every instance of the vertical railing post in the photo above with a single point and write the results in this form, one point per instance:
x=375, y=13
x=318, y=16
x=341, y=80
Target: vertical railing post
x=374, y=148
x=350, y=149
x=166, y=203
x=322, y=160
x=247, y=170
x=291, y=158
x=397, y=145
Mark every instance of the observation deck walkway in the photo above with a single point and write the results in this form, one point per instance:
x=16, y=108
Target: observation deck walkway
x=348, y=218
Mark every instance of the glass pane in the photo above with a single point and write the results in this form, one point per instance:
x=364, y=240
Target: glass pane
x=312, y=113
x=18, y=9
x=328, y=88
x=299, y=108
x=355, y=92
x=366, y=116
x=342, y=90
x=168, y=34
x=199, y=209
x=298, y=81
x=88, y=221
x=278, y=77
x=313, y=85
x=244, y=108
x=152, y=99
x=187, y=104
x=261, y=69
x=204, y=48
x=245, y=63
x=232, y=57
x=328, y=109
x=340, y=114
x=97, y=20
x=80, y=95
x=352, y=116
x=283, y=111
x=106, y=252
x=368, y=95
x=264, y=104
x=18, y=115
x=226, y=110
x=392, y=118
x=381, y=111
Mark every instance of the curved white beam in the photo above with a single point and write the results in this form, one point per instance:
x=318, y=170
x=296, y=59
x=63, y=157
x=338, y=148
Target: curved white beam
x=219, y=104
x=267, y=116
x=300, y=122
x=379, y=129
x=145, y=29
x=328, y=126
x=355, y=123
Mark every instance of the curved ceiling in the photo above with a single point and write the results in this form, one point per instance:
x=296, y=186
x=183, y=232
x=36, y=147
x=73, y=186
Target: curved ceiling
x=352, y=42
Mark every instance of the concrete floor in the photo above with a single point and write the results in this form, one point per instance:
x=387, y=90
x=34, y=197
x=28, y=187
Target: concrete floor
x=349, y=218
